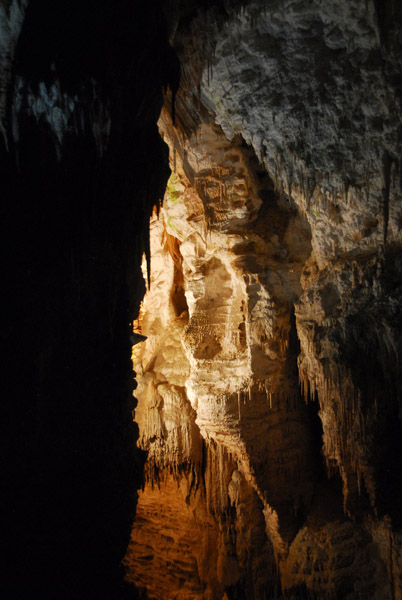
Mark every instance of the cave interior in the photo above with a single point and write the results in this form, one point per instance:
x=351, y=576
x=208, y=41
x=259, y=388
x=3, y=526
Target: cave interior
x=202, y=248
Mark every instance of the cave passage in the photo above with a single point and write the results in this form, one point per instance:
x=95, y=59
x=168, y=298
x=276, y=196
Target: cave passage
x=246, y=155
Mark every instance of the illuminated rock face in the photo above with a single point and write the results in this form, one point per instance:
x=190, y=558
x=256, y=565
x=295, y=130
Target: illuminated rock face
x=276, y=278
x=269, y=383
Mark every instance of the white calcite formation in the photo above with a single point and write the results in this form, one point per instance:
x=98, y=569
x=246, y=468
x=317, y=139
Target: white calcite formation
x=269, y=383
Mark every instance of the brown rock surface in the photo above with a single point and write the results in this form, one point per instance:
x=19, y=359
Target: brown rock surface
x=269, y=382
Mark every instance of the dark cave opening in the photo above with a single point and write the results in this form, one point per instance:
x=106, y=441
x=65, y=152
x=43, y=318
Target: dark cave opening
x=74, y=221
x=327, y=501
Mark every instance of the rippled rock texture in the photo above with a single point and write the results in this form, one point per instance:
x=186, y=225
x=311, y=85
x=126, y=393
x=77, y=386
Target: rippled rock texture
x=269, y=383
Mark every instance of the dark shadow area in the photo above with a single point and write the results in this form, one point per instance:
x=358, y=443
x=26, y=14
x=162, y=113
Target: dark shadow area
x=371, y=351
x=74, y=225
x=327, y=500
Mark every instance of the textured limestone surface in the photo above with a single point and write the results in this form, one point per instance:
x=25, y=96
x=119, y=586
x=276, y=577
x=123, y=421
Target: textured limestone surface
x=269, y=384
x=167, y=537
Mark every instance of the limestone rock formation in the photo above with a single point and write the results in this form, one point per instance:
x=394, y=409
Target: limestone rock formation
x=269, y=383
x=269, y=337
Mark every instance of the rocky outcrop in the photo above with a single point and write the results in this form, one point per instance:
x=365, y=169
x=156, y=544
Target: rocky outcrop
x=269, y=383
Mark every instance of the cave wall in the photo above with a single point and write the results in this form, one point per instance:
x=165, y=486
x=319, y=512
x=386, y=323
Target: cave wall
x=81, y=164
x=269, y=385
